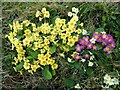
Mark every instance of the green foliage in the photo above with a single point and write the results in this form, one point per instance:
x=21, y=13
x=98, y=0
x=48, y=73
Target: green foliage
x=95, y=16
x=53, y=49
x=19, y=66
x=46, y=73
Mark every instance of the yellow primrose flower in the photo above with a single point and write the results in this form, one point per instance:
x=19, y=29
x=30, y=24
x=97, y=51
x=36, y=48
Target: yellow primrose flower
x=75, y=38
x=26, y=65
x=50, y=61
x=54, y=66
x=36, y=63
x=37, y=13
x=26, y=22
x=41, y=57
x=66, y=48
x=47, y=14
x=43, y=63
x=64, y=41
x=70, y=43
x=74, y=53
x=10, y=26
x=40, y=19
x=20, y=50
x=21, y=72
x=33, y=67
x=26, y=60
x=47, y=55
x=26, y=41
x=30, y=71
x=20, y=57
x=63, y=21
x=42, y=50
x=81, y=24
x=16, y=41
x=78, y=31
x=64, y=27
x=43, y=10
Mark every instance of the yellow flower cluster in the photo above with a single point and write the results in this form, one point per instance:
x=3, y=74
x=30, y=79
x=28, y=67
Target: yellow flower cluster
x=27, y=35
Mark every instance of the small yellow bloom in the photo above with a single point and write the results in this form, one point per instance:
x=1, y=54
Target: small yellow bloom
x=43, y=10
x=40, y=19
x=37, y=13
x=26, y=41
x=30, y=71
x=33, y=67
x=54, y=66
x=78, y=31
x=70, y=43
x=26, y=65
x=50, y=61
x=43, y=63
x=81, y=24
x=26, y=22
x=47, y=14
x=74, y=53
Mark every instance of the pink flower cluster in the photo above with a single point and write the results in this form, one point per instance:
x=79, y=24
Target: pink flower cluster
x=107, y=41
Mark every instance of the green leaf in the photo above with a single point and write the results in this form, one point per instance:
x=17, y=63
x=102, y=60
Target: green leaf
x=19, y=66
x=53, y=72
x=29, y=57
x=53, y=49
x=33, y=54
x=99, y=30
x=46, y=74
x=90, y=72
x=69, y=82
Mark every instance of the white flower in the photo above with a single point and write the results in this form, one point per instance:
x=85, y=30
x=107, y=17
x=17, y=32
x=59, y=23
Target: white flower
x=69, y=60
x=110, y=82
x=92, y=57
x=92, y=40
x=76, y=10
x=90, y=64
x=66, y=6
x=73, y=9
x=77, y=86
x=83, y=60
x=70, y=14
x=103, y=32
x=106, y=77
x=116, y=81
x=90, y=53
x=84, y=32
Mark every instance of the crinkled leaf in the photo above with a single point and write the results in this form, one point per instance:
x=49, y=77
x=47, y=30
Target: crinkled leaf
x=46, y=74
x=53, y=49
x=19, y=66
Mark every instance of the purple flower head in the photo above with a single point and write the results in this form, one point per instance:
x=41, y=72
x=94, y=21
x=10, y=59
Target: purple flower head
x=104, y=42
x=109, y=52
x=95, y=47
x=112, y=45
x=77, y=57
x=89, y=45
x=106, y=49
x=104, y=36
x=79, y=48
x=109, y=36
x=87, y=56
x=96, y=35
x=81, y=41
x=86, y=38
x=99, y=39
